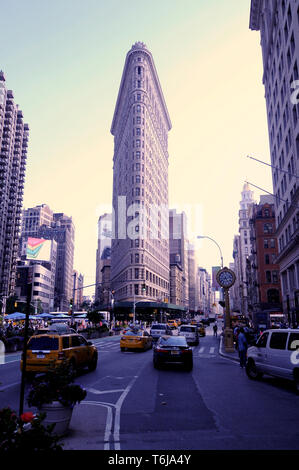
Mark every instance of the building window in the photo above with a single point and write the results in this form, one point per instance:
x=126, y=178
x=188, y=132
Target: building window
x=268, y=277
x=268, y=228
x=266, y=243
x=267, y=259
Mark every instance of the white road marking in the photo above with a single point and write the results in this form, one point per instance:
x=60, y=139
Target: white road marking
x=109, y=420
x=118, y=410
x=2, y=389
x=212, y=350
x=201, y=350
x=102, y=392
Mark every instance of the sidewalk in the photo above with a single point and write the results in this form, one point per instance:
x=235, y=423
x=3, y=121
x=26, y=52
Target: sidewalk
x=234, y=356
x=89, y=428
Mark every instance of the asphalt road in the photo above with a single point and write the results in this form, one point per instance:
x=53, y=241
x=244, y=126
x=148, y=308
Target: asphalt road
x=213, y=407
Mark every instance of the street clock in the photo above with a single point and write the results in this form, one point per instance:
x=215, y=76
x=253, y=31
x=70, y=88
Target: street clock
x=226, y=278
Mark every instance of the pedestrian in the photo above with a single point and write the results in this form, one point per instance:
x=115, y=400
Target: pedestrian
x=215, y=328
x=242, y=347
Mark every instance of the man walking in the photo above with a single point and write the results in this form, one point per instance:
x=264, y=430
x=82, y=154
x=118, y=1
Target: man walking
x=242, y=346
x=215, y=328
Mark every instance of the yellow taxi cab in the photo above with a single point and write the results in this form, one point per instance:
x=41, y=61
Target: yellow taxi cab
x=136, y=339
x=50, y=349
x=193, y=322
x=173, y=324
x=201, y=329
x=178, y=321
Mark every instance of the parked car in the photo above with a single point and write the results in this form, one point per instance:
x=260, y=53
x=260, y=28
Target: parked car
x=136, y=338
x=172, y=350
x=159, y=329
x=190, y=332
x=276, y=353
x=46, y=350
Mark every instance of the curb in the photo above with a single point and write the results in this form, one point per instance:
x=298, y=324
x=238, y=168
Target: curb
x=226, y=355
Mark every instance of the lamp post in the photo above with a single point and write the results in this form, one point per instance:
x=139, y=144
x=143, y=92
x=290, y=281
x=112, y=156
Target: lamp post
x=221, y=257
x=203, y=236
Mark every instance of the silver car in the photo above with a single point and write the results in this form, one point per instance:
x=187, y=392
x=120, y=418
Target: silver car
x=160, y=329
x=190, y=332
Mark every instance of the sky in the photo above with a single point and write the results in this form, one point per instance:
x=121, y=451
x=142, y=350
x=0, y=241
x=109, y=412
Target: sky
x=64, y=60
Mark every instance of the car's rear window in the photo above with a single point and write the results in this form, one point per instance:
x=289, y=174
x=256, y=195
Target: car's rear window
x=173, y=341
x=158, y=327
x=43, y=343
x=187, y=329
x=133, y=333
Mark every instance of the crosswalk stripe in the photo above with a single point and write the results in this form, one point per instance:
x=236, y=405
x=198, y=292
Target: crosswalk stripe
x=212, y=350
x=201, y=350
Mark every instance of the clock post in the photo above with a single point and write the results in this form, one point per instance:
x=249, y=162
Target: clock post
x=226, y=278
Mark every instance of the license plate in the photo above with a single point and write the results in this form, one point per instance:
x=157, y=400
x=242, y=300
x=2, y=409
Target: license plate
x=40, y=356
x=175, y=353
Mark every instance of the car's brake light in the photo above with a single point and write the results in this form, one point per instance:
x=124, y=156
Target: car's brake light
x=186, y=350
x=161, y=350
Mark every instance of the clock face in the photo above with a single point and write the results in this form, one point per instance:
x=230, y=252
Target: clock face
x=226, y=278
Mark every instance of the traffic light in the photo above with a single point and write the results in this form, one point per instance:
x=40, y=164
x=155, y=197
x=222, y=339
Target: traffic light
x=143, y=288
x=71, y=304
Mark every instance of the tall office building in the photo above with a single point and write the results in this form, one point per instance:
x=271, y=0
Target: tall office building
x=242, y=247
x=140, y=247
x=178, y=249
x=192, y=266
x=103, y=252
x=39, y=258
x=13, y=147
x=278, y=23
x=63, y=231
x=41, y=222
x=35, y=217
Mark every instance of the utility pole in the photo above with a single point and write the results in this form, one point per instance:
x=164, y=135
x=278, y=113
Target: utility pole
x=74, y=292
x=29, y=292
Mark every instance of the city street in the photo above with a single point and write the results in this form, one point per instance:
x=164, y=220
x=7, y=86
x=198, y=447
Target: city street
x=132, y=406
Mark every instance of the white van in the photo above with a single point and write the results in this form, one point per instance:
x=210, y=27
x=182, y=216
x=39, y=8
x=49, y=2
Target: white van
x=276, y=353
x=190, y=332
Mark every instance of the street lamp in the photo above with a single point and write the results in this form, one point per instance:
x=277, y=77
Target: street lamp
x=203, y=236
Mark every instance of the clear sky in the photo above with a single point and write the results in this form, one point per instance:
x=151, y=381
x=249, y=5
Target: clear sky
x=64, y=60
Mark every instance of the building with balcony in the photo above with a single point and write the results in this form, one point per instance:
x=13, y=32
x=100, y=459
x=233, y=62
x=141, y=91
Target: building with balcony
x=14, y=135
x=264, y=290
x=278, y=23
